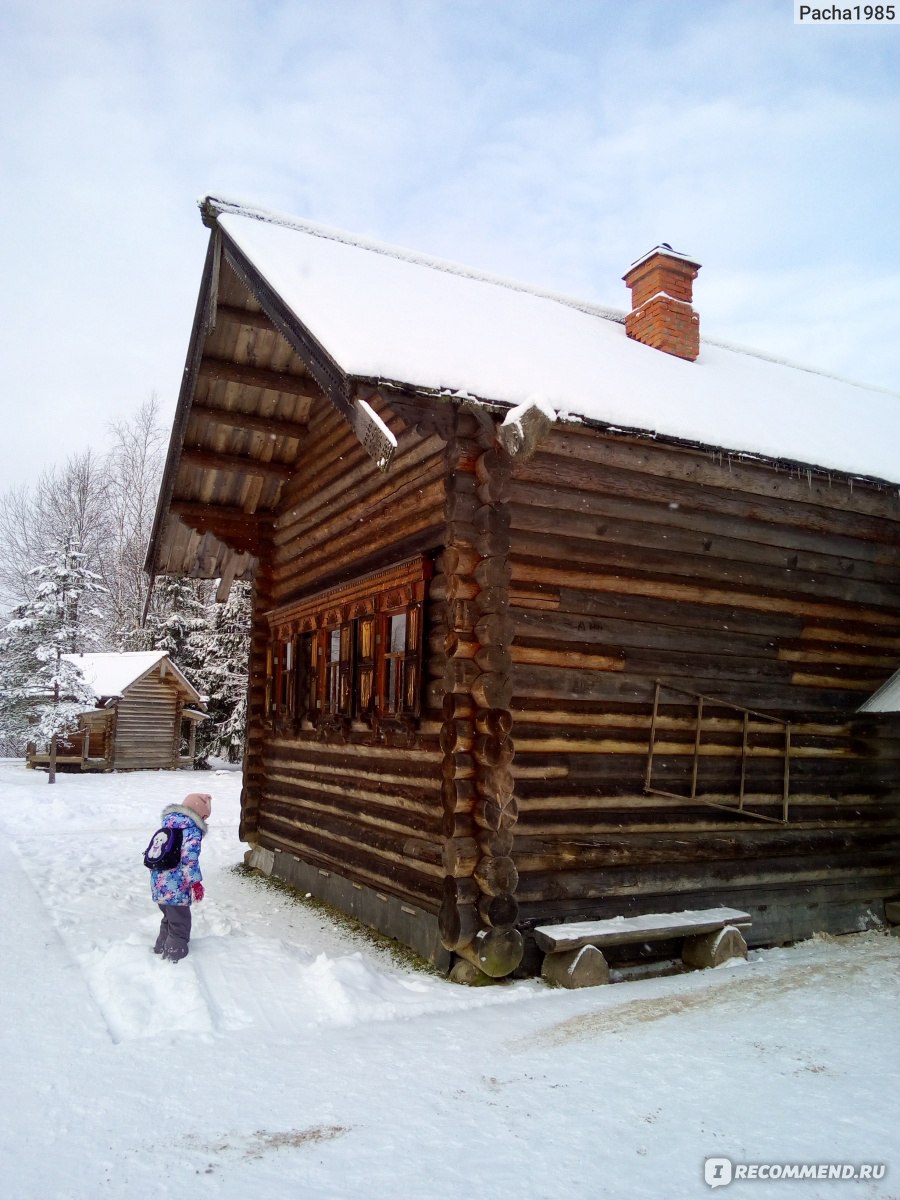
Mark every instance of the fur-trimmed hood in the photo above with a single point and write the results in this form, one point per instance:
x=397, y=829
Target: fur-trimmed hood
x=186, y=812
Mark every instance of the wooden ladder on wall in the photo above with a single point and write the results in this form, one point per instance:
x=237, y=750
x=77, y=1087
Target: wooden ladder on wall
x=746, y=752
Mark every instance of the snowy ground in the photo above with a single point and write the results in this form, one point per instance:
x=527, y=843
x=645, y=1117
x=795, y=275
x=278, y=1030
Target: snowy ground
x=288, y=1057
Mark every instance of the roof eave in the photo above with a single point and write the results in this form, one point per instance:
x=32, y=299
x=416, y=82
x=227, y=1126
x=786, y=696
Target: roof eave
x=205, y=305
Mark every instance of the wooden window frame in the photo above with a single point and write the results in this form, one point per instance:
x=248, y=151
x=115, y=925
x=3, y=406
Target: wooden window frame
x=365, y=683
x=306, y=685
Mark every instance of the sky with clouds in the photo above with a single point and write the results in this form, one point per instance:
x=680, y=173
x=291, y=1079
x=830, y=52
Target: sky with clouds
x=553, y=141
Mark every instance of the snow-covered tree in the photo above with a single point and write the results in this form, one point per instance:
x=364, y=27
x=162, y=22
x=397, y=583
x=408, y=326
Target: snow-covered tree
x=177, y=622
x=135, y=464
x=102, y=501
x=222, y=676
x=41, y=691
x=66, y=507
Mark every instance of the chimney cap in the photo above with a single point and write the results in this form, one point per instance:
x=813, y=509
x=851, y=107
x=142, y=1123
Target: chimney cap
x=665, y=251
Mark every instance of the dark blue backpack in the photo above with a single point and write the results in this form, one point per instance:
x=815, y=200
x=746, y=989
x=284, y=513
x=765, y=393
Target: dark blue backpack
x=164, y=851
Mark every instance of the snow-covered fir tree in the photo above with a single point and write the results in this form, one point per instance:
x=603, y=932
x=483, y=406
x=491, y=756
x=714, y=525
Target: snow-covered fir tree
x=222, y=678
x=177, y=622
x=103, y=499
x=210, y=643
x=42, y=691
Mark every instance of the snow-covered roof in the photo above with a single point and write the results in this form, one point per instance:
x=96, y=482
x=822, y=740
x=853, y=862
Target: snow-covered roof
x=111, y=674
x=886, y=699
x=392, y=316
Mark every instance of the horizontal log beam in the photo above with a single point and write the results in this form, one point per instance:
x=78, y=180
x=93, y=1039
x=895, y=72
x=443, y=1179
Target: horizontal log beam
x=581, y=449
x=571, y=580
x=244, y=316
x=409, y=884
x=270, y=426
x=239, y=533
x=212, y=515
x=669, y=881
x=271, y=381
x=210, y=460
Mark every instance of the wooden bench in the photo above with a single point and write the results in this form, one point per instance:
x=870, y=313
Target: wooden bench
x=573, y=953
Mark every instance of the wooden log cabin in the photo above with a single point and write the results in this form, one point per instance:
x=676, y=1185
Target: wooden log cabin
x=145, y=717
x=559, y=613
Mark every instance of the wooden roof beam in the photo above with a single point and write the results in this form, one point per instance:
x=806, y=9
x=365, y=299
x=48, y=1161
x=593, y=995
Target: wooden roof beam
x=270, y=381
x=222, y=515
x=244, y=316
x=233, y=528
x=210, y=460
x=270, y=426
x=235, y=565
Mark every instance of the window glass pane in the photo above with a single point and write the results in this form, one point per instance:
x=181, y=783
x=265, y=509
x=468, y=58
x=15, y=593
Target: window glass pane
x=334, y=646
x=366, y=637
x=313, y=689
x=365, y=689
x=398, y=633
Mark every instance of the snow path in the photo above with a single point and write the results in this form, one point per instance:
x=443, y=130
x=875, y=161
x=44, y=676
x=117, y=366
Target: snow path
x=288, y=1058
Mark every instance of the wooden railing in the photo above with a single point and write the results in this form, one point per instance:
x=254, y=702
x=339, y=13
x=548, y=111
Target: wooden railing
x=746, y=752
x=67, y=751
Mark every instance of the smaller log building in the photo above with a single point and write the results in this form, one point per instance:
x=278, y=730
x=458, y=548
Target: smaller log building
x=145, y=717
x=559, y=613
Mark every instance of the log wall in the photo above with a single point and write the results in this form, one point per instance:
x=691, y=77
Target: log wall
x=770, y=590
x=147, y=726
x=361, y=803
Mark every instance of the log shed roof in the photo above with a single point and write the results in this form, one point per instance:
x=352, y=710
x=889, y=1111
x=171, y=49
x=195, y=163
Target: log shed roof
x=291, y=314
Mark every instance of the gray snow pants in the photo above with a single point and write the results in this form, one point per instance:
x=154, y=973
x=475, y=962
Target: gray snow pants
x=174, y=931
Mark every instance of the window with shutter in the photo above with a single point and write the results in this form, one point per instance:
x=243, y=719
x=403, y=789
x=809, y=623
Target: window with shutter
x=353, y=652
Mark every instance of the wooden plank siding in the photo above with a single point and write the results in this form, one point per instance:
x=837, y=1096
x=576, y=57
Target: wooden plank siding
x=147, y=729
x=771, y=590
x=363, y=805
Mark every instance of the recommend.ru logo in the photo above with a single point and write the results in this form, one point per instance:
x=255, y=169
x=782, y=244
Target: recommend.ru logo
x=717, y=1172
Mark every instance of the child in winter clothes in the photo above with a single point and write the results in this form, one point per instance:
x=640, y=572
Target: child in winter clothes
x=174, y=890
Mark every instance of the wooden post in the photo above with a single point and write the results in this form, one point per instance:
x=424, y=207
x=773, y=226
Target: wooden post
x=176, y=732
x=51, y=766
x=253, y=765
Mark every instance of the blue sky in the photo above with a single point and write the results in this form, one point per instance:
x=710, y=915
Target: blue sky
x=553, y=141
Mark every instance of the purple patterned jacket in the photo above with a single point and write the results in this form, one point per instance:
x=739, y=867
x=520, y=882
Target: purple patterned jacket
x=174, y=887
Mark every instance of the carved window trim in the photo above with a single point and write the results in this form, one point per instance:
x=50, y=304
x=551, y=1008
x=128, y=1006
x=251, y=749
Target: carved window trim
x=329, y=661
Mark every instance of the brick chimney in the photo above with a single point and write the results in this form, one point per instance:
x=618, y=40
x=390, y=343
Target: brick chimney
x=661, y=291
